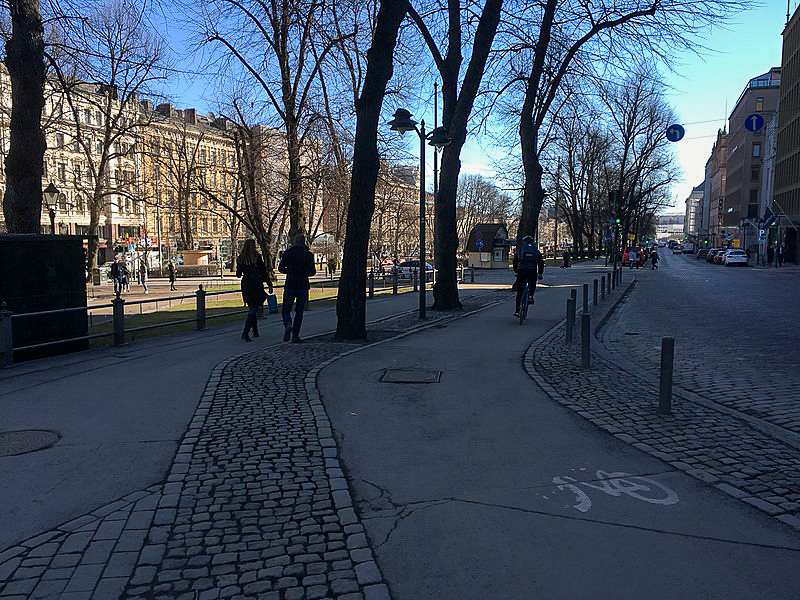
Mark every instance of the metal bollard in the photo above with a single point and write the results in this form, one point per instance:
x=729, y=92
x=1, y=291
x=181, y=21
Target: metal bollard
x=472, y=275
x=614, y=280
x=585, y=333
x=200, y=300
x=573, y=293
x=6, y=337
x=603, y=287
x=665, y=387
x=118, y=320
x=371, y=284
x=609, y=283
x=570, y=319
x=594, y=295
x=619, y=278
x=585, y=297
x=394, y=284
x=415, y=280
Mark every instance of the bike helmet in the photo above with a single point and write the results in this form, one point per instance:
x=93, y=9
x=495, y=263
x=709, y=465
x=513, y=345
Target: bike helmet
x=527, y=238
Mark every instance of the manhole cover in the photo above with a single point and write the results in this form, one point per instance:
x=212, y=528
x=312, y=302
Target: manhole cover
x=411, y=376
x=28, y=440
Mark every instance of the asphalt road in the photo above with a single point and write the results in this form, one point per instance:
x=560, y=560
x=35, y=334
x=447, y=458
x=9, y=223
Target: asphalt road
x=482, y=487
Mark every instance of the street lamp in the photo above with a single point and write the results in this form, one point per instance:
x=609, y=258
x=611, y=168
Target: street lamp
x=438, y=138
x=50, y=195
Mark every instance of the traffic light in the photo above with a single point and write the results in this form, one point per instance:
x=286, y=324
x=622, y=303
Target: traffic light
x=618, y=220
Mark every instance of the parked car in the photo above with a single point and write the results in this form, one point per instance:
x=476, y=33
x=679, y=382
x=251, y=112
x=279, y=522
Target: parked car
x=734, y=257
x=662, y=244
x=105, y=270
x=407, y=269
x=639, y=256
x=712, y=253
x=688, y=248
x=719, y=256
x=676, y=249
x=702, y=253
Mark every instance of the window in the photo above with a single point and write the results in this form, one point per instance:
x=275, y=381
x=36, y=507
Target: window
x=44, y=169
x=214, y=225
x=759, y=103
x=87, y=116
x=202, y=155
x=98, y=147
x=60, y=140
x=79, y=203
x=755, y=172
x=78, y=175
x=214, y=178
x=213, y=157
x=75, y=146
x=62, y=172
x=97, y=118
x=753, y=196
x=756, y=149
x=62, y=202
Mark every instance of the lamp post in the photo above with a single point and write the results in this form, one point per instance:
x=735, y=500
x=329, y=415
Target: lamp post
x=50, y=195
x=438, y=138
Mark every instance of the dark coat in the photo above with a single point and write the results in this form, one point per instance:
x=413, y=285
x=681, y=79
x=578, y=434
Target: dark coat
x=253, y=278
x=171, y=270
x=298, y=265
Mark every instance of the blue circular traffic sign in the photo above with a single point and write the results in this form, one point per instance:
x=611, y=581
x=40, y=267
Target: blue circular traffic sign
x=675, y=133
x=479, y=244
x=753, y=122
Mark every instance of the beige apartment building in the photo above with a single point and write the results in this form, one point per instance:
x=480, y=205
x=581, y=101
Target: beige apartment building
x=714, y=191
x=746, y=150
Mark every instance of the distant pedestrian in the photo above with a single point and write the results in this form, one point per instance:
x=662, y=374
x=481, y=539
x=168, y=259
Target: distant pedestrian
x=631, y=258
x=171, y=271
x=770, y=255
x=332, y=265
x=251, y=268
x=566, y=257
x=298, y=265
x=116, y=276
x=781, y=254
x=125, y=275
x=654, y=260
x=143, y=276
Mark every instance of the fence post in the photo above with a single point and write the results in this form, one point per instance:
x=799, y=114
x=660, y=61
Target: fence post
x=665, y=387
x=6, y=336
x=201, y=307
x=415, y=279
x=585, y=332
x=371, y=284
x=594, y=296
x=585, y=297
x=570, y=318
x=118, y=320
x=394, y=283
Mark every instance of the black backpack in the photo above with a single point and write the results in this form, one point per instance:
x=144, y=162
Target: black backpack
x=528, y=257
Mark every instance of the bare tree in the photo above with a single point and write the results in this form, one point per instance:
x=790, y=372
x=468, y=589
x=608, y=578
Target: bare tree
x=22, y=202
x=351, y=299
x=115, y=59
x=479, y=201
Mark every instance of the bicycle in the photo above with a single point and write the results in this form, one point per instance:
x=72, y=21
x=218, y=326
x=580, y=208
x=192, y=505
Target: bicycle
x=527, y=297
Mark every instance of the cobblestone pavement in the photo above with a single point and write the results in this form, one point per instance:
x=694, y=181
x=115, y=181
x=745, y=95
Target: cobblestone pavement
x=255, y=504
x=735, y=334
x=712, y=446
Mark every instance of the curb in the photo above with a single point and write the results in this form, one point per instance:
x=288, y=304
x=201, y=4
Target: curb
x=697, y=473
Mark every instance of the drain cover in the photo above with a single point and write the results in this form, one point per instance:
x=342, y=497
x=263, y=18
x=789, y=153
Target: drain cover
x=411, y=376
x=28, y=440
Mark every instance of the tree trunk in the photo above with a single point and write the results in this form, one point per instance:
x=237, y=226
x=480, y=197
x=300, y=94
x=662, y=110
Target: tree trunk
x=445, y=290
x=532, y=192
x=351, y=300
x=22, y=203
x=297, y=220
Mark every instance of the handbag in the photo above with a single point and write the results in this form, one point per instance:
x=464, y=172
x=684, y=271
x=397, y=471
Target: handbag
x=272, y=303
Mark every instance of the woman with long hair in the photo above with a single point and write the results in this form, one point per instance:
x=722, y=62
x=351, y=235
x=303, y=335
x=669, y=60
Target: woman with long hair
x=251, y=268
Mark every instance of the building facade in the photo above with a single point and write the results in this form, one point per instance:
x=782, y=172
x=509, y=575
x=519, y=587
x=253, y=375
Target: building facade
x=786, y=197
x=694, y=206
x=746, y=149
x=716, y=182
x=670, y=226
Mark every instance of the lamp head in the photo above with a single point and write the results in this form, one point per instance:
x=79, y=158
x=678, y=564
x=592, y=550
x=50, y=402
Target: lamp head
x=50, y=194
x=438, y=138
x=402, y=121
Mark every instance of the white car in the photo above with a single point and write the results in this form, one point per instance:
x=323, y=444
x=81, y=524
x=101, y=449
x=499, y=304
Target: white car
x=734, y=257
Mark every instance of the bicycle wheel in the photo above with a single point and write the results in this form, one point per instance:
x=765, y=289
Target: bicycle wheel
x=523, y=304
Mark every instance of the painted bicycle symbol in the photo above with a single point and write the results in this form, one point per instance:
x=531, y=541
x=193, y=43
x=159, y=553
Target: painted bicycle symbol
x=616, y=484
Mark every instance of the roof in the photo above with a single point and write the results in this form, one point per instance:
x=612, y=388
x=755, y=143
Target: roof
x=492, y=234
x=700, y=187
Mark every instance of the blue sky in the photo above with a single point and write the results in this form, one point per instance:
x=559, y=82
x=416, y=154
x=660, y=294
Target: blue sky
x=702, y=89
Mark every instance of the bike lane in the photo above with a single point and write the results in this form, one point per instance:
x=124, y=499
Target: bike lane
x=480, y=486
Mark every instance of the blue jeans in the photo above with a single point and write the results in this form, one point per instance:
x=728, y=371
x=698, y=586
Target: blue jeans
x=289, y=297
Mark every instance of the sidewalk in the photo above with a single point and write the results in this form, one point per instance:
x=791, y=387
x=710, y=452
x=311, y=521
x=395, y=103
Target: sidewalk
x=481, y=486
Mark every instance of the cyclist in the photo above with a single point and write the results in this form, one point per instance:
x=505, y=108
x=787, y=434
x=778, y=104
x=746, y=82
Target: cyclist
x=529, y=266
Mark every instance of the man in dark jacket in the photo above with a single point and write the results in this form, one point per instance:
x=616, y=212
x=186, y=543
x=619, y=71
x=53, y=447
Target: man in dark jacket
x=528, y=264
x=298, y=265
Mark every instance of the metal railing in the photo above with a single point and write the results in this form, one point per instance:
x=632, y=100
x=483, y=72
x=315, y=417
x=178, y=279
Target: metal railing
x=119, y=331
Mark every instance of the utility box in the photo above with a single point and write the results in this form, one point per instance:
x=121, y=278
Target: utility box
x=39, y=273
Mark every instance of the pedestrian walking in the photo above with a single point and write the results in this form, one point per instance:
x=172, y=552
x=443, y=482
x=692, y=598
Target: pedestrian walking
x=567, y=256
x=143, y=276
x=124, y=275
x=332, y=265
x=116, y=276
x=781, y=254
x=631, y=258
x=654, y=260
x=770, y=255
x=251, y=268
x=171, y=271
x=298, y=265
